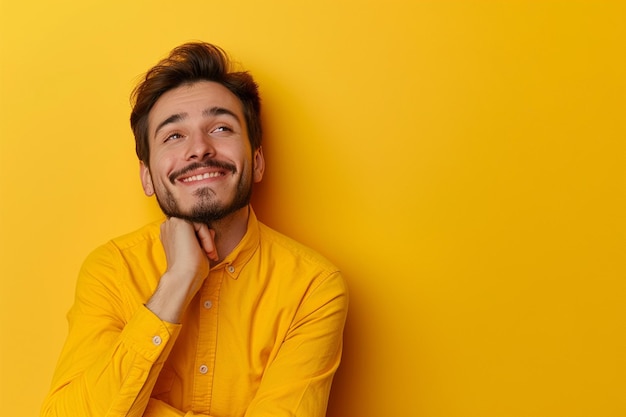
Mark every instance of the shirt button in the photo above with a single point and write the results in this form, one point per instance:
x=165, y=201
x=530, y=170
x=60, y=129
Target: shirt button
x=208, y=304
x=230, y=269
x=203, y=369
x=156, y=340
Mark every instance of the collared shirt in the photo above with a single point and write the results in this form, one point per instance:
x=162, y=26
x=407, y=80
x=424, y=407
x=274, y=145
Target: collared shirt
x=262, y=337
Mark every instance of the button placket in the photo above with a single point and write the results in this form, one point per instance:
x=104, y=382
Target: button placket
x=206, y=343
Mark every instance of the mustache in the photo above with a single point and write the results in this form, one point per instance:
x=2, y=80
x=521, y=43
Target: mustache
x=210, y=163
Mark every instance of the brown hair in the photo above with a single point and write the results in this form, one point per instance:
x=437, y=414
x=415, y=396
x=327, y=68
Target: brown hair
x=189, y=63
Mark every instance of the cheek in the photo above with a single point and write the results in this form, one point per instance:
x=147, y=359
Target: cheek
x=161, y=166
x=243, y=154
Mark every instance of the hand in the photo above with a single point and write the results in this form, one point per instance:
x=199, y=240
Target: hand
x=188, y=249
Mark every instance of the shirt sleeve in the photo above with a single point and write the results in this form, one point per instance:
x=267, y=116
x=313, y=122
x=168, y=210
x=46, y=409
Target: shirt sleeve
x=114, y=351
x=157, y=408
x=298, y=381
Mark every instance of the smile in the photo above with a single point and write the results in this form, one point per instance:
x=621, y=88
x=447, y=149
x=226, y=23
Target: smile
x=202, y=176
x=199, y=171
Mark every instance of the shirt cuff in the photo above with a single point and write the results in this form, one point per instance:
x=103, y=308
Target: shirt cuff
x=148, y=335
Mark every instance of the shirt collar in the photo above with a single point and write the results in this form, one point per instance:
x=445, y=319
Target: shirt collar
x=239, y=257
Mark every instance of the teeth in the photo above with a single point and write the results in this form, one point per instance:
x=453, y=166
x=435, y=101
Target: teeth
x=202, y=177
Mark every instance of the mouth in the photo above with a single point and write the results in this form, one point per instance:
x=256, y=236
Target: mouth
x=200, y=177
x=202, y=171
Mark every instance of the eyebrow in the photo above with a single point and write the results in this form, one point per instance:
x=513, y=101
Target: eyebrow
x=218, y=111
x=172, y=119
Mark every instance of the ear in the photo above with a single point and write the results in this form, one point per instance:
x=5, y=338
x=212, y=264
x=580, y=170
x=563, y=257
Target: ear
x=259, y=165
x=146, y=179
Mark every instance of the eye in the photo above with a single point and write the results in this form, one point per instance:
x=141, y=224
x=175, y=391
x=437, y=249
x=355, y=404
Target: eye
x=222, y=128
x=172, y=136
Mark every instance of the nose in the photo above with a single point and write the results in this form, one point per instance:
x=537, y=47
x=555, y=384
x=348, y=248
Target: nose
x=199, y=147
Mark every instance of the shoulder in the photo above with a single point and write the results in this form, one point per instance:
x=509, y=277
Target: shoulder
x=141, y=243
x=304, y=270
x=299, y=261
x=145, y=235
x=288, y=248
x=128, y=265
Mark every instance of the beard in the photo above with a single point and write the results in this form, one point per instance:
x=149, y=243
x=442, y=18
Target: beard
x=207, y=208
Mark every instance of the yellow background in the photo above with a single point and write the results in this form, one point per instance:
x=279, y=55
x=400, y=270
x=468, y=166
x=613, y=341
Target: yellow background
x=463, y=162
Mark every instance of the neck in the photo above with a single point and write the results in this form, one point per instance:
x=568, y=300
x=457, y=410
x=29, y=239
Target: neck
x=229, y=231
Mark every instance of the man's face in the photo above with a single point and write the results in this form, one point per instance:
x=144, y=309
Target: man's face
x=201, y=163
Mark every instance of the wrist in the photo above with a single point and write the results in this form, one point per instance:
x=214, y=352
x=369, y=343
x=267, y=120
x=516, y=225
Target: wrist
x=169, y=300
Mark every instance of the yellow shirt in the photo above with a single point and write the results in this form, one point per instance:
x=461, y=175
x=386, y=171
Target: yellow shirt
x=262, y=337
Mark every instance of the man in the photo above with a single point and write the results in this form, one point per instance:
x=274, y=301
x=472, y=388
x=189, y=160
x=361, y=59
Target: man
x=209, y=312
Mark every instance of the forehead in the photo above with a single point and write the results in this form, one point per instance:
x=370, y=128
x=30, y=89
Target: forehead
x=193, y=99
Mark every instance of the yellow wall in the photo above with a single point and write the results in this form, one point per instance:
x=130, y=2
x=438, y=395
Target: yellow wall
x=463, y=162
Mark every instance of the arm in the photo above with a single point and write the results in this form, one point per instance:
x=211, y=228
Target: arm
x=110, y=360
x=116, y=347
x=298, y=380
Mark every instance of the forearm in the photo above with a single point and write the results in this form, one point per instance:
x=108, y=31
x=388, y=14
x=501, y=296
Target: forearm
x=158, y=408
x=102, y=373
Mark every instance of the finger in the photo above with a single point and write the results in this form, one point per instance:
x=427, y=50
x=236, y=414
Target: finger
x=172, y=226
x=206, y=237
